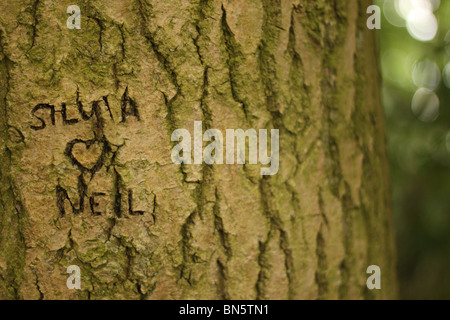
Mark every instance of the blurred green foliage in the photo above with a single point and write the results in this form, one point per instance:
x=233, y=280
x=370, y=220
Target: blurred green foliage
x=416, y=96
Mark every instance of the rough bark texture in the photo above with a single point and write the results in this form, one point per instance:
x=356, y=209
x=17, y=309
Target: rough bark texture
x=136, y=71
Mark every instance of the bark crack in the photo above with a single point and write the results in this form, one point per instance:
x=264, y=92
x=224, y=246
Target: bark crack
x=226, y=247
x=34, y=13
x=222, y=278
x=206, y=111
x=235, y=58
x=322, y=266
x=123, y=43
x=101, y=28
x=347, y=228
x=163, y=60
x=12, y=240
x=186, y=247
x=264, y=268
x=41, y=294
x=219, y=227
x=276, y=224
x=268, y=74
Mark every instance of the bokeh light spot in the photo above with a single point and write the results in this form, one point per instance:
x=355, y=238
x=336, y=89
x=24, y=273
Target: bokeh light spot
x=422, y=24
x=446, y=75
x=391, y=14
x=425, y=105
x=426, y=74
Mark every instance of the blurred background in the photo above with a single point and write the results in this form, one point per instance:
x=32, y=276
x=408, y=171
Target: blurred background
x=414, y=44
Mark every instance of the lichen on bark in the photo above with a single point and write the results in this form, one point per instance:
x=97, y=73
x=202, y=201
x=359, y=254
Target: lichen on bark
x=150, y=229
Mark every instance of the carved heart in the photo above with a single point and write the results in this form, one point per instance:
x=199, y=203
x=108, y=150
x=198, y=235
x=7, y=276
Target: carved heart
x=87, y=155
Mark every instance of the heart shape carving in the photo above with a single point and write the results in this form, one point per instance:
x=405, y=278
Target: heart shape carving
x=86, y=155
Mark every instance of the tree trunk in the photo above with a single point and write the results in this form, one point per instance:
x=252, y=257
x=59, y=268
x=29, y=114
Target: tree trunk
x=86, y=172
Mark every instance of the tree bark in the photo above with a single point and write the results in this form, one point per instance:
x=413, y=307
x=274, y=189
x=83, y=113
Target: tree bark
x=85, y=156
